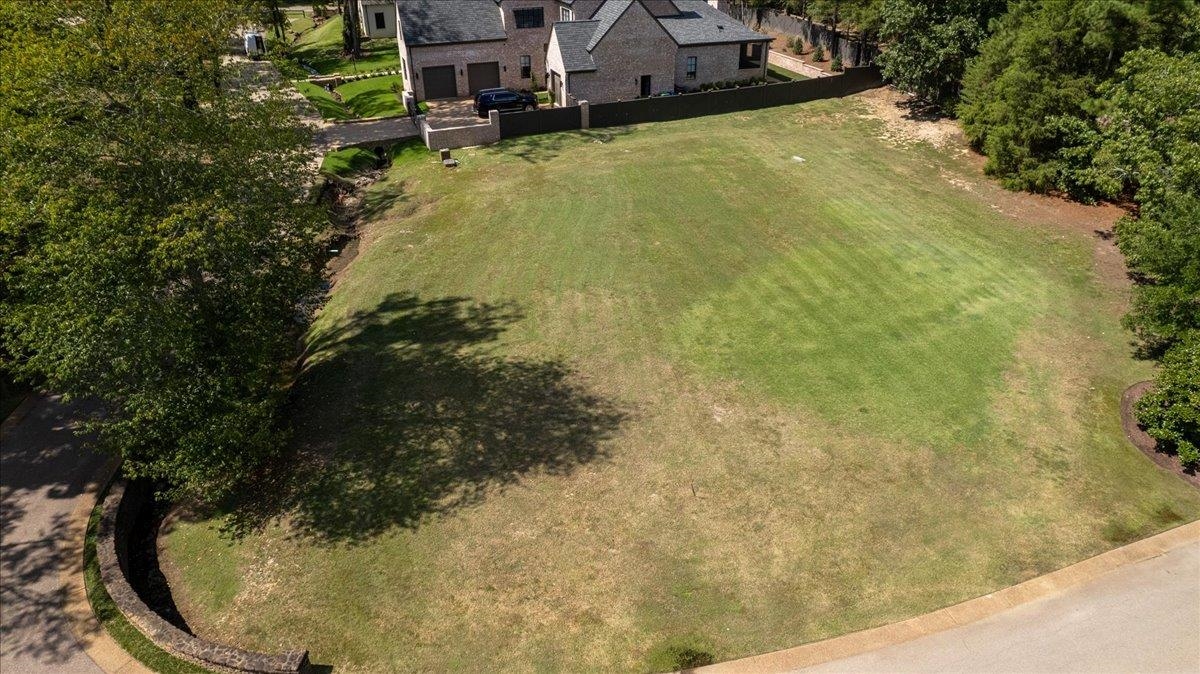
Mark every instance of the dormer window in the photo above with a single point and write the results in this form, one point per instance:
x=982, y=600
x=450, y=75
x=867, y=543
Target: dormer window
x=533, y=17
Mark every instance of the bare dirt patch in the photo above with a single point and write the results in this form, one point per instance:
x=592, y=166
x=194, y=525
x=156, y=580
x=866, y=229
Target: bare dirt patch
x=906, y=122
x=1142, y=440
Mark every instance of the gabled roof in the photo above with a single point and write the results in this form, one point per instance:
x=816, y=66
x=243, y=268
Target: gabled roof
x=700, y=23
x=440, y=22
x=607, y=15
x=573, y=39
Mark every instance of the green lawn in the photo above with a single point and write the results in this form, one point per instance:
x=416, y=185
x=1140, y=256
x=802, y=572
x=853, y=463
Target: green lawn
x=321, y=49
x=373, y=97
x=370, y=97
x=326, y=104
x=299, y=21
x=641, y=398
x=784, y=73
x=348, y=162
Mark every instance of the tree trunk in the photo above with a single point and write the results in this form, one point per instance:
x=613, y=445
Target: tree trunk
x=350, y=40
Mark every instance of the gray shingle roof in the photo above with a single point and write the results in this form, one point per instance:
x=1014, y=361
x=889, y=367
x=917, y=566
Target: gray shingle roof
x=700, y=23
x=442, y=21
x=607, y=15
x=573, y=39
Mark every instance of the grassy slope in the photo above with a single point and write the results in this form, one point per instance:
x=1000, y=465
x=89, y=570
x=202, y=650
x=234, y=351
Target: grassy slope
x=326, y=104
x=373, y=97
x=322, y=50
x=745, y=402
x=784, y=73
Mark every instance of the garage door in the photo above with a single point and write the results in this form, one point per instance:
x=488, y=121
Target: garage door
x=439, y=82
x=483, y=75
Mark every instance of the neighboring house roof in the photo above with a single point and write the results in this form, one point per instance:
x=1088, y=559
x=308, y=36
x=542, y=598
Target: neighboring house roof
x=700, y=23
x=607, y=15
x=440, y=22
x=573, y=40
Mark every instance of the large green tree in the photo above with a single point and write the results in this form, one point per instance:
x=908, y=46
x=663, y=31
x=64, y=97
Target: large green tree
x=1030, y=99
x=929, y=43
x=154, y=228
x=1150, y=128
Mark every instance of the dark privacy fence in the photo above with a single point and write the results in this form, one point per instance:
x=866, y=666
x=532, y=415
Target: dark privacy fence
x=855, y=51
x=683, y=106
x=667, y=108
x=547, y=120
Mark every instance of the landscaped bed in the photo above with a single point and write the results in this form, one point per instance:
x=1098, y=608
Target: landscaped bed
x=642, y=398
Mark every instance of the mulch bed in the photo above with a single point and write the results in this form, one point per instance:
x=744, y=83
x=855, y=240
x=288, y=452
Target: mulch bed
x=1142, y=440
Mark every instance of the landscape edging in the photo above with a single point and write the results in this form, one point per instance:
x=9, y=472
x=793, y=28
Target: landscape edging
x=964, y=613
x=95, y=640
x=120, y=509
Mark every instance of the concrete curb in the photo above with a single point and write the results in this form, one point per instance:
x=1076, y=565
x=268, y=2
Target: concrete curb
x=967, y=612
x=93, y=638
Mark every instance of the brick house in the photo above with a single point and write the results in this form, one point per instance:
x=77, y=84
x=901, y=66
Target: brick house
x=636, y=48
x=597, y=50
x=377, y=18
x=453, y=48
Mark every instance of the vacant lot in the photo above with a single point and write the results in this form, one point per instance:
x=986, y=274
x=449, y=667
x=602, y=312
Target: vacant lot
x=634, y=399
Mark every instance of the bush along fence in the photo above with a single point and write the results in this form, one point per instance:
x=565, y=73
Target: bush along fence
x=683, y=106
x=124, y=505
x=854, y=50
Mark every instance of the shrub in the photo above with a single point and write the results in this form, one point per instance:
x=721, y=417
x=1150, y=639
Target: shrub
x=818, y=52
x=836, y=64
x=1171, y=412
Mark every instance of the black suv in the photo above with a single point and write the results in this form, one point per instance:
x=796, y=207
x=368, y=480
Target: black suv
x=503, y=100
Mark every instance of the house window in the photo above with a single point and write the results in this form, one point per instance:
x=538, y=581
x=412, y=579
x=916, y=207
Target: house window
x=526, y=66
x=529, y=18
x=691, y=68
x=566, y=14
x=380, y=22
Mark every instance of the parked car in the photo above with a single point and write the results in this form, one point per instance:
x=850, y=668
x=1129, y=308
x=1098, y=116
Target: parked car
x=504, y=100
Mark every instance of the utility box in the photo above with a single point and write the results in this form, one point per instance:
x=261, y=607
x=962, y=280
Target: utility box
x=253, y=43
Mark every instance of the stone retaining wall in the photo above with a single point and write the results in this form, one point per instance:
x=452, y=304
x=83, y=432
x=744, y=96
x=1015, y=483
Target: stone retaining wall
x=855, y=51
x=795, y=64
x=120, y=511
x=460, y=136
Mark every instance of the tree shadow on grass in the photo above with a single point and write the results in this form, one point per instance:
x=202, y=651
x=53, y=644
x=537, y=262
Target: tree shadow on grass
x=403, y=415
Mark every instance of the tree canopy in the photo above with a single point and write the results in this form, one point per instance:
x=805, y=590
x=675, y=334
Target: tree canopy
x=154, y=229
x=1150, y=130
x=929, y=43
x=1031, y=97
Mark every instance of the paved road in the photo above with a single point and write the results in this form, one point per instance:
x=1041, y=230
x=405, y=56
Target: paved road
x=43, y=471
x=1141, y=618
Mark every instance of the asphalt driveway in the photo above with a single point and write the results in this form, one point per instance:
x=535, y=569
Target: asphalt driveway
x=43, y=471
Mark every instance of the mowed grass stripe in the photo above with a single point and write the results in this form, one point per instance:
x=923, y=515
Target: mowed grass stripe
x=599, y=401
